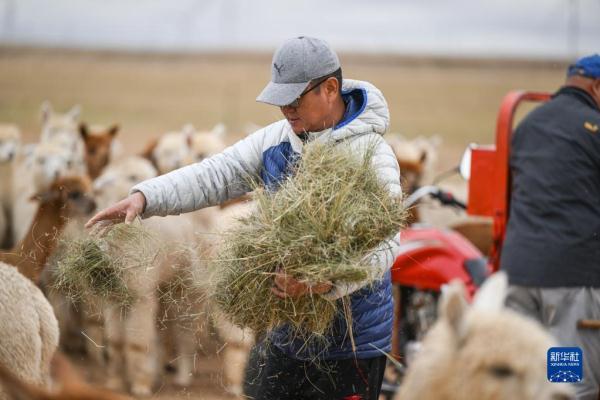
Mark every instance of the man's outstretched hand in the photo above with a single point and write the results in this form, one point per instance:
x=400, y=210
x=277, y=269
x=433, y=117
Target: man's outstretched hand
x=124, y=211
x=287, y=286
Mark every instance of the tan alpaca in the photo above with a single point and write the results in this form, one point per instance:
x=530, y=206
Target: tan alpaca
x=29, y=330
x=66, y=198
x=482, y=352
x=99, y=146
x=130, y=335
x=10, y=140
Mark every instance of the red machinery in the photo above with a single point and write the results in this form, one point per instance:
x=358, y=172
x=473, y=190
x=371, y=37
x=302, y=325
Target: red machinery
x=490, y=179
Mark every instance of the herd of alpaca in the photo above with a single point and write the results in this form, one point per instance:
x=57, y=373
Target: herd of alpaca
x=76, y=167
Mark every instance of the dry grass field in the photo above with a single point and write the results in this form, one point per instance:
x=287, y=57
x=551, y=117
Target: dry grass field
x=148, y=94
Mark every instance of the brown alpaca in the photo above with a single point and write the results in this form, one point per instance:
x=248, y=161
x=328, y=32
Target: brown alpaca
x=69, y=385
x=98, y=142
x=65, y=197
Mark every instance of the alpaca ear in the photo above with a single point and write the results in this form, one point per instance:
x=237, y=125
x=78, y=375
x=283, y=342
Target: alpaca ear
x=113, y=130
x=453, y=306
x=43, y=197
x=75, y=112
x=83, y=130
x=188, y=134
x=46, y=111
x=492, y=294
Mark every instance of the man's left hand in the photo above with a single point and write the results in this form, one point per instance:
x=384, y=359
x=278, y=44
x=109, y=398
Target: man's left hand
x=287, y=286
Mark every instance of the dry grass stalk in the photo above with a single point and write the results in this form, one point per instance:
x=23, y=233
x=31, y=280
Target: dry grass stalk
x=100, y=264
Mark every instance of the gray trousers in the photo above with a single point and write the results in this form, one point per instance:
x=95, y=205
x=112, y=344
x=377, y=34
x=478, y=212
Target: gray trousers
x=559, y=309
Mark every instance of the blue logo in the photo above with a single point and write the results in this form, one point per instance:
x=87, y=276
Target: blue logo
x=565, y=364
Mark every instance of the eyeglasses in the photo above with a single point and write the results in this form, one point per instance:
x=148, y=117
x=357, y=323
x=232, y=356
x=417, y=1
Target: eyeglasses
x=296, y=102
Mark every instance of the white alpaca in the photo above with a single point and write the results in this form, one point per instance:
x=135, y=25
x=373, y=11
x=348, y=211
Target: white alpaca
x=29, y=329
x=173, y=151
x=482, y=352
x=10, y=140
x=131, y=335
x=206, y=143
x=180, y=148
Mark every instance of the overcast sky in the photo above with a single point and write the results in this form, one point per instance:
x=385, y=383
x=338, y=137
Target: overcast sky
x=517, y=28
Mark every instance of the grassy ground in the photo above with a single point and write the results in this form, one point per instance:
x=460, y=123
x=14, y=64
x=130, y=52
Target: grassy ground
x=150, y=94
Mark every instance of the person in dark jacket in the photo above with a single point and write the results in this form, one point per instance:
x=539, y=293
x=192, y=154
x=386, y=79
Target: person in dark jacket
x=552, y=247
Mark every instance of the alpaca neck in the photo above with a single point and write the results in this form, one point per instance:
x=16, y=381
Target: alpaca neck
x=31, y=254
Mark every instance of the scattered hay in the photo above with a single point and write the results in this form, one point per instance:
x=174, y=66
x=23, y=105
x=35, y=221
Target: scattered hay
x=318, y=226
x=102, y=264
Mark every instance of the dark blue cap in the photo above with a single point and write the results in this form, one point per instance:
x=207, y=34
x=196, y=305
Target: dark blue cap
x=588, y=66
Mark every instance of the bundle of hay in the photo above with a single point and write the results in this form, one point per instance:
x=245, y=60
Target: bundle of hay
x=317, y=227
x=99, y=265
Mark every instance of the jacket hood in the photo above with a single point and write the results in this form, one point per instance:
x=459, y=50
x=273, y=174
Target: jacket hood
x=374, y=116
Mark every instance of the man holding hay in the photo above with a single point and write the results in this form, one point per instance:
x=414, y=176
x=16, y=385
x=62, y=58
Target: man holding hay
x=348, y=360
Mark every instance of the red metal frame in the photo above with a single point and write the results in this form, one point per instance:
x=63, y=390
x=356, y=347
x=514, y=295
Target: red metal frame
x=501, y=185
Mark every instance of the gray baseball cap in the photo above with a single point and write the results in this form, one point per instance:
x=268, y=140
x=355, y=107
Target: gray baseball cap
x=295, y=63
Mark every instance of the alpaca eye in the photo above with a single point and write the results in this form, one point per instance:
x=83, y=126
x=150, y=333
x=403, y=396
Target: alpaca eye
x=133, y=178
x=501, y=371
x=75, y=195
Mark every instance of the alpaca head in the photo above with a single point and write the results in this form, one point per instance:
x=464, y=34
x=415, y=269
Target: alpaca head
x=209, y=143
x=48, y=162
x=172, y=151
x=484, y=351
x=70, y=195
x=56, y=125
x=98, y=142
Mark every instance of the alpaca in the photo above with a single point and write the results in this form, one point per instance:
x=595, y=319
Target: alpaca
x=30, y=337
x=482, y=352
x=176, y=149
x=417, y=159
x=29, y=329
x=171, y=151
x=206, y=144
x=65, y=198
x=98, y=143
x=10, y=138
x=130, y=335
